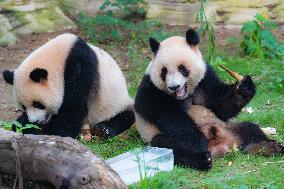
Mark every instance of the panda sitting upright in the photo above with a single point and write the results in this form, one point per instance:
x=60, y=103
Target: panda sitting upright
x=183, y=105
x=67, y=83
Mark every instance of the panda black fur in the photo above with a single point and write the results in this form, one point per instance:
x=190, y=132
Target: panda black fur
x=67, y=83
x=177, y=89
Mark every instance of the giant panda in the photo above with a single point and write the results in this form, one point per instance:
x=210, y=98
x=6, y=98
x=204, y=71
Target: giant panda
x=67, y=83
x=182, y=104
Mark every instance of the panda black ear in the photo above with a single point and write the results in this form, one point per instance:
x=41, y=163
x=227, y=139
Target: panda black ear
x=38, y=75
x=192, y=37
x=8, y=76
x=154, y=44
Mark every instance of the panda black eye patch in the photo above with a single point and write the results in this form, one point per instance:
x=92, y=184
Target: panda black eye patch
x=164, y=73
x=38, y=105
x=24, y=107
x=183, y=70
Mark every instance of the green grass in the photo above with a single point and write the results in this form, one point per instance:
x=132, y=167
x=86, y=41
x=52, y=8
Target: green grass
x=246, y=171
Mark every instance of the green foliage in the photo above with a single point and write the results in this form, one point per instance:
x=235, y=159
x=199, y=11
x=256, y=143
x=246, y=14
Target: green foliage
x=19, y=127
x=259, y=40
x=110, y=25
x=157, y=182
x=206, y=28
x=113, y=27
x=125, y=5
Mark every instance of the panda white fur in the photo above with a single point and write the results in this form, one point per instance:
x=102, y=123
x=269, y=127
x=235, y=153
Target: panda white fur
x=67, y=83
x=182, y=104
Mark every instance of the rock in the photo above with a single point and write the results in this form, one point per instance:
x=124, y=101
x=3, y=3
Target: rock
x=41, y=20
x=172, y=13
x=278, y=14
x=246, y=3
x=7, y=39
x=243, y=15
x=73, y=7
x=5, y=24
x=34, y=16
x=232, y=12
x=30, y=6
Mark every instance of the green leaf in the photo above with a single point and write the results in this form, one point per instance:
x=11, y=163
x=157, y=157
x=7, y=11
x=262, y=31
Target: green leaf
x=18, y=124
x=268, y=37
x=260, y=18
x=250, y=27
x=30, y=126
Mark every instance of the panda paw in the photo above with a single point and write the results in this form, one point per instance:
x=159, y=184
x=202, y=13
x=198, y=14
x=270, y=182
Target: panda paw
x=265, y=148
x=246, y=87
x=199, y=160
x=103, y=131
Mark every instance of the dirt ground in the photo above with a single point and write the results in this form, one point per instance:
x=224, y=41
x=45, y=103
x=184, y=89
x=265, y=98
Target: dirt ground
x=11, y=57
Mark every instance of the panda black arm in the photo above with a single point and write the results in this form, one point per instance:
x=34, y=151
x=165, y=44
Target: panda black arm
x=168, y=115
x=67, y=123
x=80, y=77
x=226, y=100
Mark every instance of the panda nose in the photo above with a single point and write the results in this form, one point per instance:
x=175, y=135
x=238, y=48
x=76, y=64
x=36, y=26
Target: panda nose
x=173, y=88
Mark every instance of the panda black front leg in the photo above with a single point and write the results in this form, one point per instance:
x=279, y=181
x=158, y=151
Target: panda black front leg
x=244, y=91
x=115, y=125
x=182, y=155
x=226, y=101
x=180, y=133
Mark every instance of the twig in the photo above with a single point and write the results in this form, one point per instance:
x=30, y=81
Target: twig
x=254, y=170
x=272, y=162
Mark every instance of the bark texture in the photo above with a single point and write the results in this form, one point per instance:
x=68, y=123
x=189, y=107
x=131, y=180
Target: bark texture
x=62, y=163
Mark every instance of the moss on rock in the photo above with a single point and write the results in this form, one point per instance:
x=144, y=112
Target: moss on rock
x=34, y=16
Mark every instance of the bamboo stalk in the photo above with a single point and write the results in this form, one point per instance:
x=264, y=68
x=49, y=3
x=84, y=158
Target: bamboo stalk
x=235, y=75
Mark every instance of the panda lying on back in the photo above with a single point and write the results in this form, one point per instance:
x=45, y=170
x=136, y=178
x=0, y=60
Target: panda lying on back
x=182, y=104
x=67, y=83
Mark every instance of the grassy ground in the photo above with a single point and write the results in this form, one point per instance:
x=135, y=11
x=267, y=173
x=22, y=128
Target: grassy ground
x=233, y=171
x=243, y=171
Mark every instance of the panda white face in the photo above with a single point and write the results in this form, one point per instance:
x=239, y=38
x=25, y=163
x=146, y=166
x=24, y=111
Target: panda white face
x=36, y=112
x=177, y=67
x=38, y=83
x=175, y=79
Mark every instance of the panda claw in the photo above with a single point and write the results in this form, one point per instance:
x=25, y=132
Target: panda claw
x=246, y=87
x=198, y=160
x=103, y=131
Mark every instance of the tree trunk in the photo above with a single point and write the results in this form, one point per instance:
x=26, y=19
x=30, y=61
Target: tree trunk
x=62, y=163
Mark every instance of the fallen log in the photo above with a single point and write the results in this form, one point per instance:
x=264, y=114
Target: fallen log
x=61, y=162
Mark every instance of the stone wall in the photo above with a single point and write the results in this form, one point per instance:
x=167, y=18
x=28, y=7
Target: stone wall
x=229, y=12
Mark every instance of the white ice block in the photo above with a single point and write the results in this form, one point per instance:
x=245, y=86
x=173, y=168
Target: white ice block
x=140, y=162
